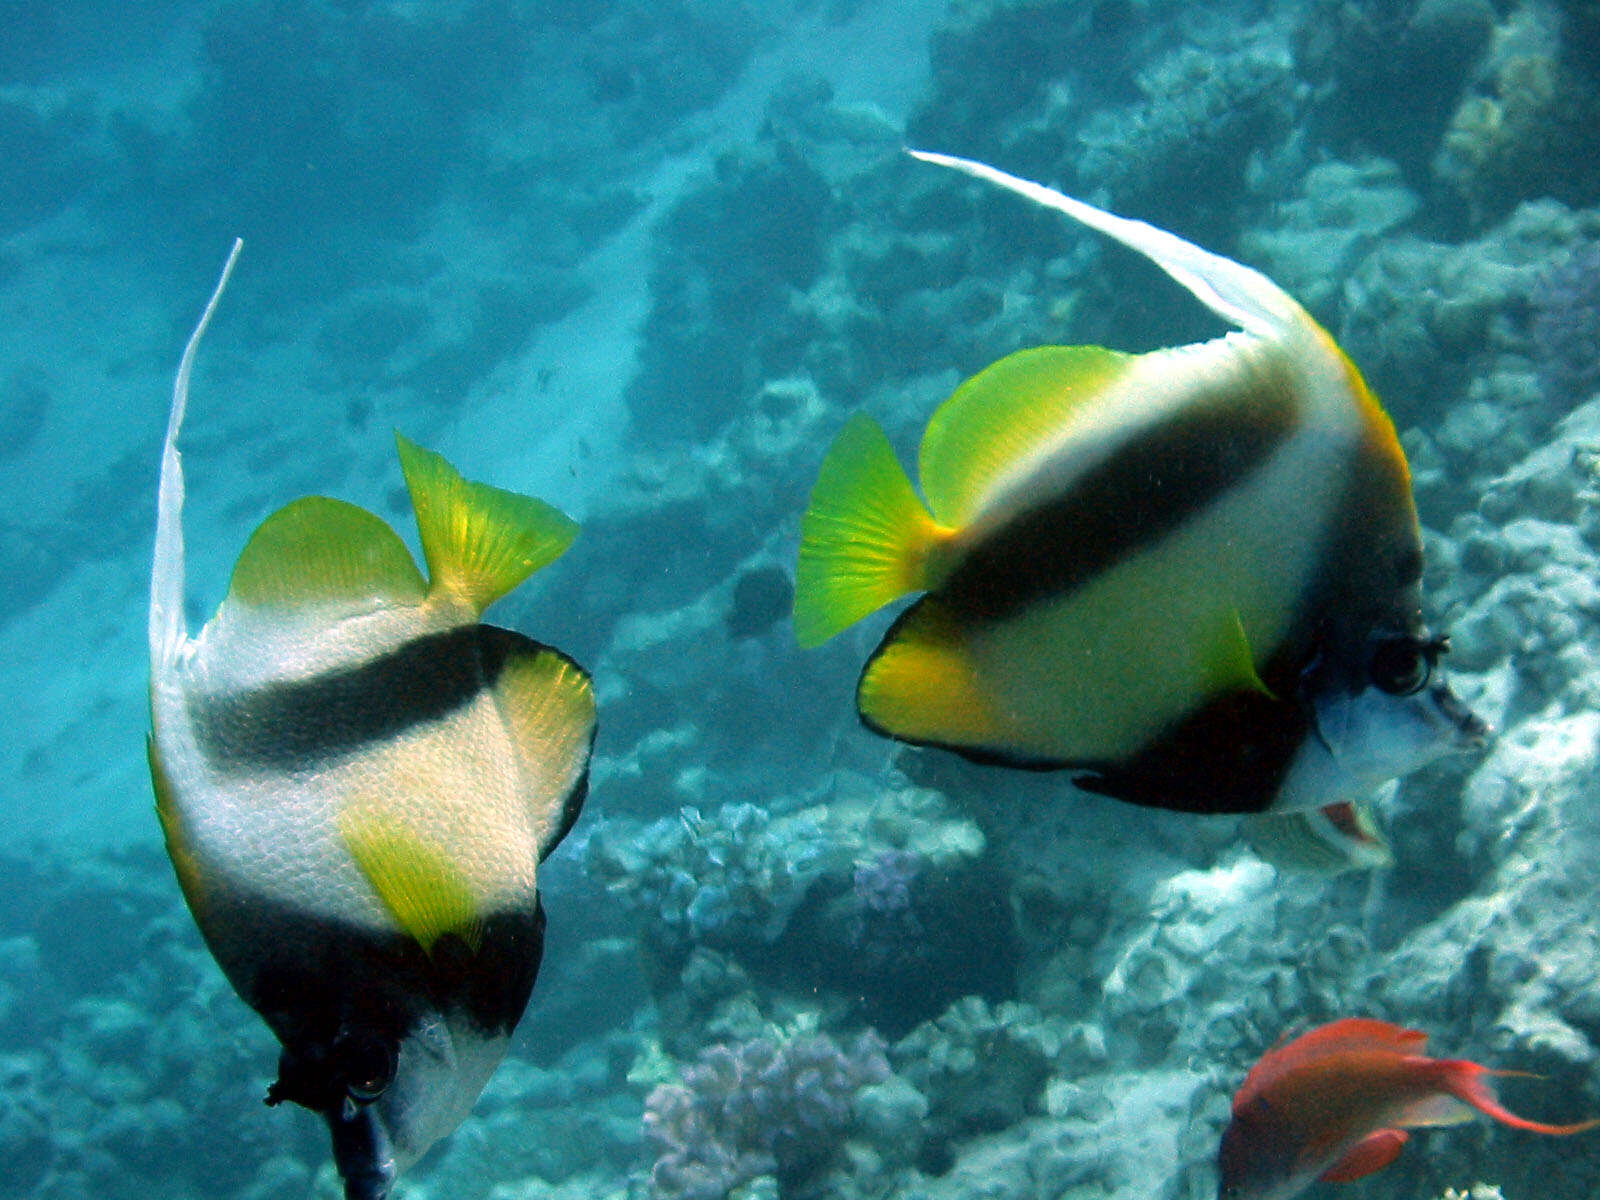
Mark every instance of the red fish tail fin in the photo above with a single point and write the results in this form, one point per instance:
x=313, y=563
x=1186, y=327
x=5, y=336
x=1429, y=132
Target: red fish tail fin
x=1468, y=1082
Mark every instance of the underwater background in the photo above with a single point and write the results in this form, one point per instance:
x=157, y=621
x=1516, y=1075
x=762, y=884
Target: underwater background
x=643, y=259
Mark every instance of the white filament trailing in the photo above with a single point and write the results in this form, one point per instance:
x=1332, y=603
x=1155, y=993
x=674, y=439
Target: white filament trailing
x=168, y=629
x=1233, y=291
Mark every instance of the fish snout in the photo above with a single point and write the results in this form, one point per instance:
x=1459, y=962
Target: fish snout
x=1467, y=730
x=362, y=1151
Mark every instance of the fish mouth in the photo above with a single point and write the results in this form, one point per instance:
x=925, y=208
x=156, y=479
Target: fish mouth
x=362, y=1152
x=1468, y=731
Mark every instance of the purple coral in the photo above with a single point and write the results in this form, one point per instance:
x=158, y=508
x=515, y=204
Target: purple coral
x=883, y=920
x=759, y=1108
x=883, y=882
x=1566, y=327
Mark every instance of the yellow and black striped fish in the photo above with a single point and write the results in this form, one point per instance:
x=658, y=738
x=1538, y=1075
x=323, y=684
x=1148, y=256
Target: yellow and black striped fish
x=1193, y=576
x=357, y=780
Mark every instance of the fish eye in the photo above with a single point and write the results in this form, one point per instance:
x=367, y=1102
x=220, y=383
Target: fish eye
x=1402, y=666
x=367, y=1064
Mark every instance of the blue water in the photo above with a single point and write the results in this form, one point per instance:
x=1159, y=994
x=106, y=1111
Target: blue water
x=643, y=260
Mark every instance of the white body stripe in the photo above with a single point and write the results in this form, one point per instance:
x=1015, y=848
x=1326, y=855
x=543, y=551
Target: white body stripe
x=454, y=782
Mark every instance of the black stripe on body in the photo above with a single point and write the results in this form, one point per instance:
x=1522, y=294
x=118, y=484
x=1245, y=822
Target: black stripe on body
x=1230, y=757
x=286, y=726
x=1147, y=488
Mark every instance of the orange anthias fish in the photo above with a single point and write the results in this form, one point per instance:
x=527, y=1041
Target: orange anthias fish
x=1334, y=1105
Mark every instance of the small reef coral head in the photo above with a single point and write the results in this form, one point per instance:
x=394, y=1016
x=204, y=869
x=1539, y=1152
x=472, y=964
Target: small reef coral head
x=1334, y=1105
x=357, y=780
x=1192, y=577
x=727, y=879
x=766, y=1106
x=1565, y=327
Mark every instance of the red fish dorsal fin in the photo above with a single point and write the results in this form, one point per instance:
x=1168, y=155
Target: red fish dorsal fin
x=1371, y=1154
x=1344, y=1036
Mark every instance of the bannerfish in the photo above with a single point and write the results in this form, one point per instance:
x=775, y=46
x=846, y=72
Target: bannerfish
x=357, y=781
x=1191, y=576
x=1335, y=1104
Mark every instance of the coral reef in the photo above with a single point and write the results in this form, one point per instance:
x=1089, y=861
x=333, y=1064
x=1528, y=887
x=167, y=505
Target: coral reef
x=1342, y=214
x=734, y=249
x=1363, y=61
x=881, y=900
x=1203, y=115
x=1532, y=130
x=729, y=880
x=763, y=1107
x=1069, y=991
x=982, y=1068
x=1566, y=326
x=120, y=1041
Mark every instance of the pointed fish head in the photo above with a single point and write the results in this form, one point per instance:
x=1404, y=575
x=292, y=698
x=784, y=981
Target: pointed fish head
x=1377, y=719
x=1257, y=1159
x=344, y=1079
x=387, y=1098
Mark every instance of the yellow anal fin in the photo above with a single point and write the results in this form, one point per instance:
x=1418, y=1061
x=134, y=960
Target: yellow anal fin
x=548, y=704
x=922, y=686
x=420, y=885
x=1004, y=411
x=480, y=541
x=865, y=537
x=322, y=553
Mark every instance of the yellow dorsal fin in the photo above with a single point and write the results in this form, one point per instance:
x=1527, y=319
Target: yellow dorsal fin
x=548, y=703
x=321, y=552
x=1001, y=413
x=865, y=537
x=421, y=886
x=480, y=541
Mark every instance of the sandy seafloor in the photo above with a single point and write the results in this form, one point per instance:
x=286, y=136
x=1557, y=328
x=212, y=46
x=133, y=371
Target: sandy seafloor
x=643, y=259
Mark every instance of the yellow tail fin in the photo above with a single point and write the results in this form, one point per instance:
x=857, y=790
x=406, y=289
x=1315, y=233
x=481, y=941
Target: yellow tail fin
x=865, y=537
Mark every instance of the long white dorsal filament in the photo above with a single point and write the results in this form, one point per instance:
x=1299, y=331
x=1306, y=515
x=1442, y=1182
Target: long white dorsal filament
x=1233, y=291
x=168, y=629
